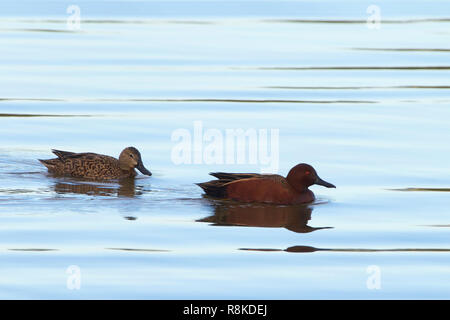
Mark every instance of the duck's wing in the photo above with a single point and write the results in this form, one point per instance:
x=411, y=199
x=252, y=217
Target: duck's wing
x=54, y=164
x=64, y=155
x=218, y=188
x=236, y=176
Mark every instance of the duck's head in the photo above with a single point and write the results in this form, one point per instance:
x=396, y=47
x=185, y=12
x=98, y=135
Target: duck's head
x=303, y=175
x=130, y=158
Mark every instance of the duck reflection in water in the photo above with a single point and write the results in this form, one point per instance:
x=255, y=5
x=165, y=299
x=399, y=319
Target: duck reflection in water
x=296, y=249
x=294, y=218
x=121, y=188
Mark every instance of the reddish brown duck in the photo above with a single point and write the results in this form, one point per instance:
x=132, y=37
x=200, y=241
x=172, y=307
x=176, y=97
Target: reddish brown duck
x=268, y=188
x=96, y=166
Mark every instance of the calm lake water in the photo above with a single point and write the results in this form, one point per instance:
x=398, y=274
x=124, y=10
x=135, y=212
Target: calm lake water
x=368, y=108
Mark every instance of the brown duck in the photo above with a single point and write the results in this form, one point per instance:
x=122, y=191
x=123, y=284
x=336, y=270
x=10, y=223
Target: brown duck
x=268, y=188
x=96, y=166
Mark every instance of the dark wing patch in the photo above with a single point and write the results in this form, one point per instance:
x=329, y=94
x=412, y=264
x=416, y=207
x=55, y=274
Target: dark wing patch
x=235, y=176
x=63, y=154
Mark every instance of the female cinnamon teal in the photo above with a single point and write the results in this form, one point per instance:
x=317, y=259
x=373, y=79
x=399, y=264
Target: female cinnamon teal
x=96, y=166
x=268, y=188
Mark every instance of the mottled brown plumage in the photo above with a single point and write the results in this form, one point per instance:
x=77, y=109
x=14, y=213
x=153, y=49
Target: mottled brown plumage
x=96, y=166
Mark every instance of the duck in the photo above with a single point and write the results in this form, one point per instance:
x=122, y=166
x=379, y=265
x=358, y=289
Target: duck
x=95, y=166
x=266, y=188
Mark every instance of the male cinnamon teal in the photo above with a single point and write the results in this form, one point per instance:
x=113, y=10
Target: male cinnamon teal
x=268, y=188
x=96, y=166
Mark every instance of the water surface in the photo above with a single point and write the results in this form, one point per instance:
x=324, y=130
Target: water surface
x=369, y=109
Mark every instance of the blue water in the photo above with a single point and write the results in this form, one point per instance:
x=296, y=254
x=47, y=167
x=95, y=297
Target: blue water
x=368, y=108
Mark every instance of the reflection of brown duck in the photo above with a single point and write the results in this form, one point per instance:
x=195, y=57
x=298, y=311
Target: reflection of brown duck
x=296, y=249
x=308, y=249
x=124, y=188
x=293, y=218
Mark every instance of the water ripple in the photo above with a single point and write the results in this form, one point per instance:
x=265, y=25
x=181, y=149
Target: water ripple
x=357, y=87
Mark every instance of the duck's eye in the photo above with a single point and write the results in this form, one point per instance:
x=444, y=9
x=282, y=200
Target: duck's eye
x=307, y=172
x=131, y=156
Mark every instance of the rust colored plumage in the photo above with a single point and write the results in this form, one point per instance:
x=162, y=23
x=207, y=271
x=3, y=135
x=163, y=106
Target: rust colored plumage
x=96, y=166
x=267, y=188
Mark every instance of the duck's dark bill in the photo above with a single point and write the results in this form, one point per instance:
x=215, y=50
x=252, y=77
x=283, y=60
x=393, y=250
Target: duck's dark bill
x=321, y=182
x=142, y=169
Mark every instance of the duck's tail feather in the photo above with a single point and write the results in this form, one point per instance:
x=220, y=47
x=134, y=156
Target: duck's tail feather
x=50, y=163
x=215, y=188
